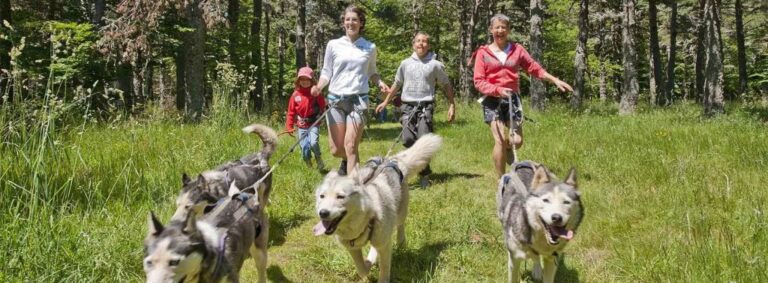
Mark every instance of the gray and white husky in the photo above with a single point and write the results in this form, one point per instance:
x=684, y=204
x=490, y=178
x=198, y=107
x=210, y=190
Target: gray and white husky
x=211, y=249
x=211, y=185
x=370, y=203
x=539, y=216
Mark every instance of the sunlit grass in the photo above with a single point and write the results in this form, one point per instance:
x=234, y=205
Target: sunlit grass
x=669, y=197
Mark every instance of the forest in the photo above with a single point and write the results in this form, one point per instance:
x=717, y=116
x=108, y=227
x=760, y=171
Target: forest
x=116, y=59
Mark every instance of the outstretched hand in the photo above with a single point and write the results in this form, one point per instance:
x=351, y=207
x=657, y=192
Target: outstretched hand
x=315, y=91
x=563, y=86
x=381, y=107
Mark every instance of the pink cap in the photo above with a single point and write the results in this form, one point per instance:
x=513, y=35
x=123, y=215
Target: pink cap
x=305, y=72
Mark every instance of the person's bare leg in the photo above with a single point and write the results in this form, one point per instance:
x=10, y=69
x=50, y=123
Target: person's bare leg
x=517, y=138
x=336, y=133
x=352, y=139
x=498, y=129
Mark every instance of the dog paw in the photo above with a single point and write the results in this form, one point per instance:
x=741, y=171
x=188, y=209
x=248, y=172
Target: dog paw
x=537, y=273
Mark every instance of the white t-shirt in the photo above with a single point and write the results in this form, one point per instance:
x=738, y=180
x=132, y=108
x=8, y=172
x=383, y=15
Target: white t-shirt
x=502, y=54
x=348, y=65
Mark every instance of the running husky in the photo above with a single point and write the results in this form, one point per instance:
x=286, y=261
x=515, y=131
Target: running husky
x=370, y=203
x=214, y=184
x=211, y=249
x=539, y=216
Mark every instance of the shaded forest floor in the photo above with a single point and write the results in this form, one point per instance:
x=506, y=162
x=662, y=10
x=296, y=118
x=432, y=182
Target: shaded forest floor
x=669, y=196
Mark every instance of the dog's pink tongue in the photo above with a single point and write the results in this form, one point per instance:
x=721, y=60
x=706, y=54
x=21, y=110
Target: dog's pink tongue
x=319, y=229
x=568, y=235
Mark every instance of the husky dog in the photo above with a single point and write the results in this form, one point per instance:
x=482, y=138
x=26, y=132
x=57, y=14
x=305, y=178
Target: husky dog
x=370, y=203
x=211, y=249
x=539, y=216
x=214, y=184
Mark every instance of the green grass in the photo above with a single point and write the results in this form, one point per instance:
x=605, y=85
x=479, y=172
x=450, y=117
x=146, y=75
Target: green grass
x=669, y=197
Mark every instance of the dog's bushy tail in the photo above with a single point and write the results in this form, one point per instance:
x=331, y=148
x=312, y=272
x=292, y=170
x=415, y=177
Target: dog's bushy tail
x=415, y=158
x=268, y=138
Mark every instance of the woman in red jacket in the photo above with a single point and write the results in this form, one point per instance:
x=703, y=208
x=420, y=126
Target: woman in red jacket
x=303, y=110
x=496, y=77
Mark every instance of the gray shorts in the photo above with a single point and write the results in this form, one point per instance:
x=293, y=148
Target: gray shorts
x=347, y=108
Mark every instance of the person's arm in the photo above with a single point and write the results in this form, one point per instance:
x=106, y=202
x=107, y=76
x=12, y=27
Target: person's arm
x=535, y=69
x=290, y=117
x=326, y=73
x=445, y=83
x=481, y=79
x=374, y=72
x=387, y=99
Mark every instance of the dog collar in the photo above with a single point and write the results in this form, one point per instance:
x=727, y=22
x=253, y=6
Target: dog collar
x=368, y=228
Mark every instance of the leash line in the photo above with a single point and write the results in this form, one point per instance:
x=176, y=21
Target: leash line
x=412, y=114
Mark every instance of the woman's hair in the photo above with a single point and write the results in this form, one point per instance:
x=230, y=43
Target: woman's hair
x=360, y=15
x=499, y=17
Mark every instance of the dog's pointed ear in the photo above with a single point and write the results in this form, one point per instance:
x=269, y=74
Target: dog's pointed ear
x=154, y=226
x=190, y=225
x=540, y=177
x=571, y=179
x=233, y=190
x=185, y=179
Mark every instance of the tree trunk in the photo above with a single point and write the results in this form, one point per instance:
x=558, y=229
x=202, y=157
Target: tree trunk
x=233, y=16
x=662, y=98
x=672, y=48
x=181, y=79
x=267, y=73
x=700, y=53
x=466, y=37
x=124, y=83
x=194, y=73
x=742, y=54
x=537, y=90
x=630, y=85
x=301, y=27
x=98, y=13
x=713, y=63
x=281, y=46
x=6, y=86
x=258, y=91
x=580, y=62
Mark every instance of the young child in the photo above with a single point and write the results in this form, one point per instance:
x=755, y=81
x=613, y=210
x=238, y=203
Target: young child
x=303, y=110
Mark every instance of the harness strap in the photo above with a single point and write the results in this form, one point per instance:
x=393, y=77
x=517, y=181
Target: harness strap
x=368, y=228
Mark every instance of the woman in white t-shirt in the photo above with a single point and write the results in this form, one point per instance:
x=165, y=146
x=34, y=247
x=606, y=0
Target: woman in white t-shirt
x=349, y=65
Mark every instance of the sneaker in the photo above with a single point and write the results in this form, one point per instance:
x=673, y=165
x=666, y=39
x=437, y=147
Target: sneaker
x=343, y=168
x=308, y=162
x=320, y=164
x=424, y=181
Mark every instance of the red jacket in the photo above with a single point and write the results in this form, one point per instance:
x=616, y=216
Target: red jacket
x=305, y=106
x=490, y=75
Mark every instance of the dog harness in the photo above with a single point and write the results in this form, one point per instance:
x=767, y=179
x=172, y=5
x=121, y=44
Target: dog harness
x=369, y=229
x=378, y=161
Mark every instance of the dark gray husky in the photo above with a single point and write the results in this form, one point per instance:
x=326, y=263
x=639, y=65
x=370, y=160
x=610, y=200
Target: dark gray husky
x=212, y=185
x=211, y=249
x=539, y=215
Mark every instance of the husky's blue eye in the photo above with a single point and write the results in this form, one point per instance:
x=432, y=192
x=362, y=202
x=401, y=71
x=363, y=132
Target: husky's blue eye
x=174, y=262
x=148, y=263
x=566, y=202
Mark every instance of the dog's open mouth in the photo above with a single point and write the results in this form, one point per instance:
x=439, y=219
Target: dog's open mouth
x=327, y=227
x=555, y=233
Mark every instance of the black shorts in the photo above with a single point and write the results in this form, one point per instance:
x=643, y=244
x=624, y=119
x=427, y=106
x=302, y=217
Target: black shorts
x=497, y=108
x=416, y=121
